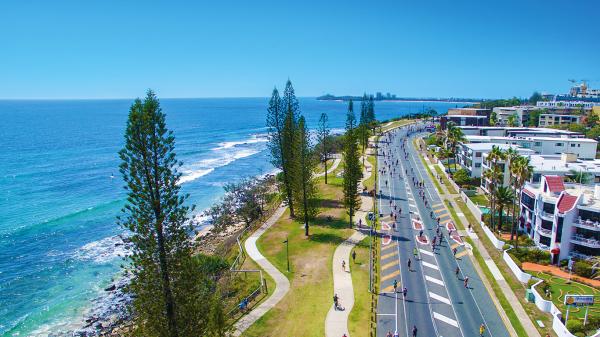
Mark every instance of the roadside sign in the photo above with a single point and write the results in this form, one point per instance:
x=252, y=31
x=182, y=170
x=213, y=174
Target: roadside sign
x=579, y=300
x=371, y=216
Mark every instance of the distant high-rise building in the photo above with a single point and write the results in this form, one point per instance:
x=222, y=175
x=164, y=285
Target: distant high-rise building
x=378, y=96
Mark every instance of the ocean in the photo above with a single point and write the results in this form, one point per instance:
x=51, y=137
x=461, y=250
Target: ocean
x=60, y=189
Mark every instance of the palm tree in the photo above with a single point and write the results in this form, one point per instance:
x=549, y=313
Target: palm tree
x=452, y=136
x=523, y=173
x=512, y=157
x=503, y=196
x=494, y=176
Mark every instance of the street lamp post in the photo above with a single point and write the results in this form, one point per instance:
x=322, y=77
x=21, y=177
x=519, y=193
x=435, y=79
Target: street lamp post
x=287, y=252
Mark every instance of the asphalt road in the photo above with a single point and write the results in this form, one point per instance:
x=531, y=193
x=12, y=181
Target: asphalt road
x=437, y=301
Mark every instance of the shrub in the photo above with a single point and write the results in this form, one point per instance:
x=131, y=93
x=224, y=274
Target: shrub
x=575, y=326
x=461, y=177
x=582, y=268
x=563, y=263
x=515, y=259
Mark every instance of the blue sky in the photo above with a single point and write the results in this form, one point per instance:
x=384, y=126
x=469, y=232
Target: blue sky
x=117, y=49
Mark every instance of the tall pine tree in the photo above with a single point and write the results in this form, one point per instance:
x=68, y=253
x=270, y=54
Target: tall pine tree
x=280, y=157
x=291, y=108
x=306, y=189
x=352, y=167
x=169, y=294
x=323, y=149
x=363, y=125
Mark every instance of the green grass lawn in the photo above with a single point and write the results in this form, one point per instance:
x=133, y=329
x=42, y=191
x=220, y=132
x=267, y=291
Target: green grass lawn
x=370, y=183
x=358, y=321
x=449, y=186
x=479, y=199
x=559, y=287
x=303, y=310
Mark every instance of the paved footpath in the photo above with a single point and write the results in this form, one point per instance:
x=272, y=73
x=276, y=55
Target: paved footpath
x=282, y=285
x=336, y=323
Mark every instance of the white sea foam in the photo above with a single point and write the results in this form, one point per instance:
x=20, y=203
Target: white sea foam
x=224, y=154
x=103, y=251
x=257, y=138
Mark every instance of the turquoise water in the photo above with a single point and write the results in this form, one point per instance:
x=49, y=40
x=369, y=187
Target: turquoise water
x=60, y=190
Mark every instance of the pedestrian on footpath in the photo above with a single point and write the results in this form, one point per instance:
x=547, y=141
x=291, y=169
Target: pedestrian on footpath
x=354, y=256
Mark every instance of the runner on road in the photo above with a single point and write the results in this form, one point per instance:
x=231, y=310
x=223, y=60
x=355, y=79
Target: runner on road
x=414, y=331
x=395, y=285
x=481, y=329
x=457, y=271
x=416, y=253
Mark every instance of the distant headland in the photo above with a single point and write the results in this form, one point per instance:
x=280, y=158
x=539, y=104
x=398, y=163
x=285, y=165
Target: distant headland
x=392, y=97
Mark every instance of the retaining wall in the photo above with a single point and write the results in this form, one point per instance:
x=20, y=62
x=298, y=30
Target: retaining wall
x=472, y=207
x=497, y=243
x=521, y=276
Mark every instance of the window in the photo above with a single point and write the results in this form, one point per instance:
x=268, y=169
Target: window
x=572, y=145
x=477, y=165
x=559, y=144
x=478, y=154
x=537, y=144
x=578, y=145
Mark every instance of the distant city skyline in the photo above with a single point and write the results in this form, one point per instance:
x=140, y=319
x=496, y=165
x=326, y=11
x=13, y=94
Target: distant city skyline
x=185, y=49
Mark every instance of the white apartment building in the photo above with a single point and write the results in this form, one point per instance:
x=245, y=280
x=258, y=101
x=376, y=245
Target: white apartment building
x=470, y=156
x=562, y=218
x=567, y=104
x=584, y=148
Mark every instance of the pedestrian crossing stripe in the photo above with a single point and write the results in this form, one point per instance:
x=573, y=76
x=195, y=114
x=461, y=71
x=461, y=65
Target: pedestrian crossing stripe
x=462, y=253
x=438, y=206
x=445, y=319
x=454, y=245
x=389, y=265
x=383, y=257
x=390, y=275
x=444, y=216
x=393, y=244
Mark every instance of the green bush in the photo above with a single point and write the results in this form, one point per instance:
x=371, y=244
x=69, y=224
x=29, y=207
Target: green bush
x=531, y=255
x=461, y=177
x=575, y=326
x=563, y=263
x=515, y=259
x=583, y=268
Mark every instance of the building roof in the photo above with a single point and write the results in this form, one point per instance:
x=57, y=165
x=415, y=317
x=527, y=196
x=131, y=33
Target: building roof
x=555, y=183
x=529, y=193
x=554, y=164
x=464, y=116
x=532, y=138
x=566, y=202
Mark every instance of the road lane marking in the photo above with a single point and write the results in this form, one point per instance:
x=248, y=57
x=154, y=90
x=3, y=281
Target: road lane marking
x=429, y=265
x=434, y=280
x=389, y=276
x=445, y=319
x=389, y=265
x=461, y=254
x=383, y=257
x=389, y=289
x=426, y=252
x=439, y=298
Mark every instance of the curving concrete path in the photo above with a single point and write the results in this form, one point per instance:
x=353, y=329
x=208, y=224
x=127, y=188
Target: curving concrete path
x=282, y=284
x=335, y=164
x=336, y=323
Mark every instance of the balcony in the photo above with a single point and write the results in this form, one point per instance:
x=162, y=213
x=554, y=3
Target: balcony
x=583, y=241
x=544, y=231
x=587, y=224
x=581, y=256
x=547, y=216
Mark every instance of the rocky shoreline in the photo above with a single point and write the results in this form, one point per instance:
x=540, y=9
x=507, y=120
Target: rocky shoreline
x=109, y=315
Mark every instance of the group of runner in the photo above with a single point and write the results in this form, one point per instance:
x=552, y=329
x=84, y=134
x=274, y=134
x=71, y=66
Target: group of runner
x=389, y=163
